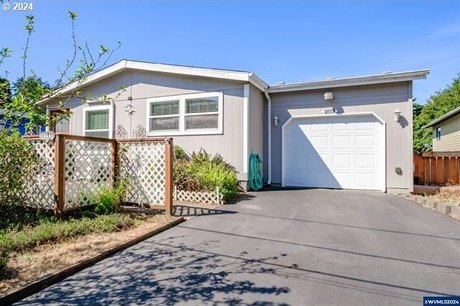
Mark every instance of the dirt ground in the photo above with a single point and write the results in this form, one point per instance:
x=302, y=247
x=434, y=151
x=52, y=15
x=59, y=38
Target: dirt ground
x=439, y=197
x=24, y=268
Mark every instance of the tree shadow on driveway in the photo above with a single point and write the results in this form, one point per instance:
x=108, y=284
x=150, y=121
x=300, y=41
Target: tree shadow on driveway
x=158, y=273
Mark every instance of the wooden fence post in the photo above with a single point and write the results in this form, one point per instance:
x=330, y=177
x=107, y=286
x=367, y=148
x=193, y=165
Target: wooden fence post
x=59, y=179
x=169, y=156
x=116, y=162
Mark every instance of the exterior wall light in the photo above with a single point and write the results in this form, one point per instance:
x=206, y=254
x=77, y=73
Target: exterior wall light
x=397, y=113
x=276, y=120
x=328, y=96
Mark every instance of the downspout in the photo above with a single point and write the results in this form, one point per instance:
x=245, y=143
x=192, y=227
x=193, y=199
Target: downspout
x=269, y=132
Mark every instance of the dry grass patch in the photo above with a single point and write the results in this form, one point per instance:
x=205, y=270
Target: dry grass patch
x=25, y=267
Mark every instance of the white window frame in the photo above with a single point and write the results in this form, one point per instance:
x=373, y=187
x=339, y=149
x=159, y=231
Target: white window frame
x=97, y=108
x=182, y=114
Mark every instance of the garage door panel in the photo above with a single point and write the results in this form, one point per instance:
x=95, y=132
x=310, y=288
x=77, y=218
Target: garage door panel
x=365, y=161
x=342, y=142
x=319, y=142
x=335, y=152
x=341, y=161
x=365, y=180
x=365, y=142
x=345, y=179
x=318, y=180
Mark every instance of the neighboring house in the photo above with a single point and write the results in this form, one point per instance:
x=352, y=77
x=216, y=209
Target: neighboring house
x=336, y=133
x=446, y=132
x=21, y=127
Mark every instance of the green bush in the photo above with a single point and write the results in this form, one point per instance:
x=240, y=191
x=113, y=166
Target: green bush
x=203, y=172
x=17, y=158
x=109, y=198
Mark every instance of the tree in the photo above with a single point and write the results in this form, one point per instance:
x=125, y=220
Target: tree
x=438, y=104
x=29, y=89
x=5, y=91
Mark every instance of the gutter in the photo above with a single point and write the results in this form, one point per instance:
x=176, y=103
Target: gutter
x=269, y=132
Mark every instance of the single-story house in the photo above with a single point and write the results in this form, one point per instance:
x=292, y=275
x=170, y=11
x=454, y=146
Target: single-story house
x=353, y=133
x=446, y=132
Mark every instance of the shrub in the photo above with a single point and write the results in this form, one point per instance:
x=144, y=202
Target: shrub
x=109, y=198
x=179, y=154
x=17, y=157
x=201, y=171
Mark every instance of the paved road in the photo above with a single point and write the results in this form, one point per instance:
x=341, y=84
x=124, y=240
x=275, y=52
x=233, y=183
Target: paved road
x=302, y=247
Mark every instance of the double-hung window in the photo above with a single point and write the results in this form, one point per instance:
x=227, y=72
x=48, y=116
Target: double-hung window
x=98, y=121
x=193, y=114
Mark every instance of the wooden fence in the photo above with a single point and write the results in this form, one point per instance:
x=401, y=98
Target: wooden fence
x=70, y=170
x=437, y=168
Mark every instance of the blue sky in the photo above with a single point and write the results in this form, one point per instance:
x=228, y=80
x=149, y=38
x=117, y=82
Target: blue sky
x=287, y=41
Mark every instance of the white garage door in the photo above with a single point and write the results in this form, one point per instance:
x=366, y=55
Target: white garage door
x=335, y=152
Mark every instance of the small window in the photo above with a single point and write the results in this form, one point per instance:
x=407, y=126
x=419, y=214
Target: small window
x=438, y=133
x=97, y=122
x=164, y=115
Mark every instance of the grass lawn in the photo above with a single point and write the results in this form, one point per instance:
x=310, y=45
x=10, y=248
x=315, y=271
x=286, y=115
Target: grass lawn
x=51, y=244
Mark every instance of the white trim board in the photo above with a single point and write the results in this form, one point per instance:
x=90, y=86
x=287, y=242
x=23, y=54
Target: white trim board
x=245, y=128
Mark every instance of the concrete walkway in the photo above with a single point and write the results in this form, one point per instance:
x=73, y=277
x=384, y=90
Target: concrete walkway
x=302, y=247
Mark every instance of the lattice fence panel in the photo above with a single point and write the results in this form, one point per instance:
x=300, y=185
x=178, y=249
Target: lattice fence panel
x=205, y=197
x=39, y=182
x=88, y=167
x=143, y=164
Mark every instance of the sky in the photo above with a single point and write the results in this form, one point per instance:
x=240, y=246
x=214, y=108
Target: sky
x=280, y=41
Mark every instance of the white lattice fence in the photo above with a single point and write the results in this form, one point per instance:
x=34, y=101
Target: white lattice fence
x=205, y=197
x=143, y=165
x=39, y=182
x=88, y=167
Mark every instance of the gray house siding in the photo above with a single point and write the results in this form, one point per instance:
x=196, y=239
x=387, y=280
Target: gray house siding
x=256, y=122
x=143, y=85
x=450, y=138
x=380, y=99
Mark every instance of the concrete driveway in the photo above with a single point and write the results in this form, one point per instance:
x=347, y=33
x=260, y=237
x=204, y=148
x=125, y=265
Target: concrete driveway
x=297, y=247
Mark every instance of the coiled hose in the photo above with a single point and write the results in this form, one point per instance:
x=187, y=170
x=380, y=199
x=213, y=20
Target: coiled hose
x=255, y=172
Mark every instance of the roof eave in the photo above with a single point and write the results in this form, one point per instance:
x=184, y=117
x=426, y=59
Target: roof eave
x=239, y=76
x=444, y=117
x=355, y=81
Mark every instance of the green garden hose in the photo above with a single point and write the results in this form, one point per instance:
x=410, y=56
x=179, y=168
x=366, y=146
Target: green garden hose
x=255, y=172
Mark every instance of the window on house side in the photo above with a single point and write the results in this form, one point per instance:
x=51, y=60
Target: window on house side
x=164, y=115
x=192, y=114
x=97, y=122
x=202, y=113
x=438, y=133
